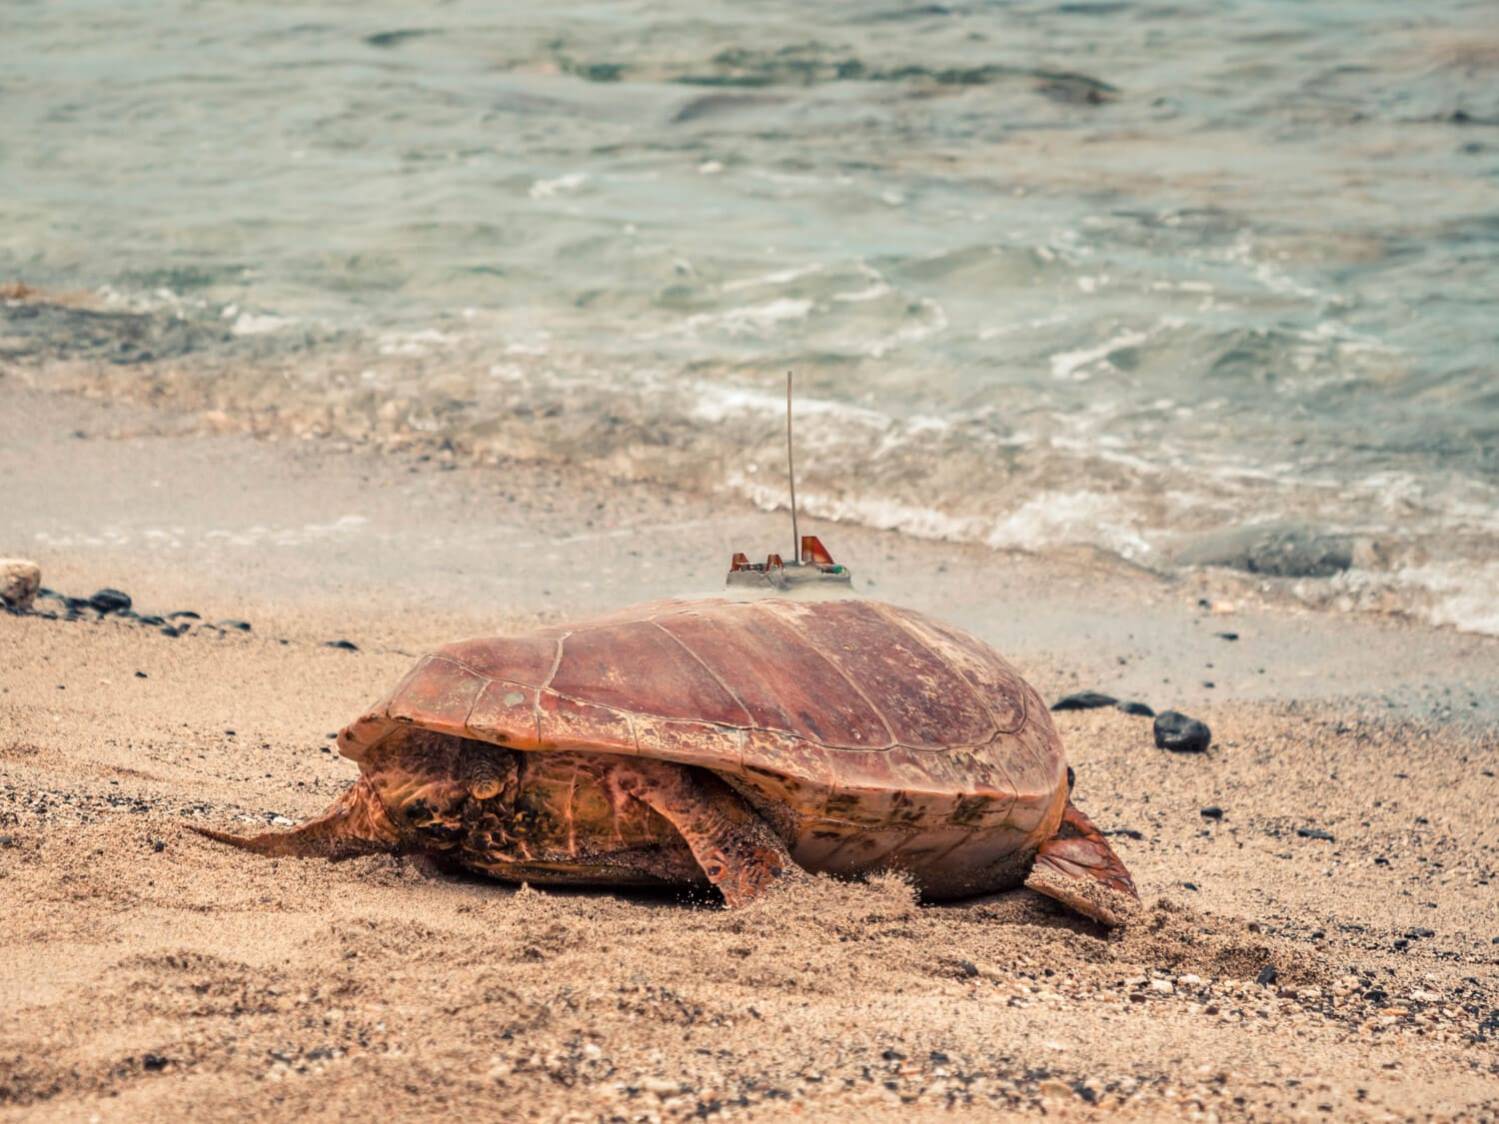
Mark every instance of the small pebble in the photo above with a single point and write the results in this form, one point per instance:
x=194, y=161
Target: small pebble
x=1084, y=700
x=184, y=615
x=1226, y=635
x=1180, y=734
x=1268, y=975
x=1314, y=833
x=242, y=626
x=1132, y=707
x=141, y=675
x=1212, y=812
x=110, y=601
x=342, y=645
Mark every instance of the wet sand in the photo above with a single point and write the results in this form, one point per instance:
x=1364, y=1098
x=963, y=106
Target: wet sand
x=1274, y=973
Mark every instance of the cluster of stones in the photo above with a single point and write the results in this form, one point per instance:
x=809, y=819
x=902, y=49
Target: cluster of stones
x=1172, y=730
x=1354, y=999
x=22, y=592
x=644, y=1087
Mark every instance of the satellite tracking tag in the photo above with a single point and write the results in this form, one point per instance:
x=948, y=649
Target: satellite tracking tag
x=812, y=566
x=816, y=567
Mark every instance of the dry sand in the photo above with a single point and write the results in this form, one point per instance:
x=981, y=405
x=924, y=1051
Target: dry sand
x=149, y=973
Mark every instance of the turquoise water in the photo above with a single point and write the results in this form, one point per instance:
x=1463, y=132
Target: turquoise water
x=1098, y=272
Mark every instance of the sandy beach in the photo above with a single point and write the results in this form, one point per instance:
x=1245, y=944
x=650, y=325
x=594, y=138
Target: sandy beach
x=1320, y=929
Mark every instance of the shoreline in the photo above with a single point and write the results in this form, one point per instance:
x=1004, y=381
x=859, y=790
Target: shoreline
x=152, y=971
x=275, y=520
x=953, y=481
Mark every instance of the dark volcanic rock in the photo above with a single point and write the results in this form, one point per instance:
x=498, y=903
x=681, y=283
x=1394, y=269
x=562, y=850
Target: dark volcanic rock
x=1268, y=975
x=36, y=329
x=1083, y=700
x=184, y=615
x=1315, y=833
x=242, y=626
x=342, y=645
x=1283, y=550
x=718, y=105
x=1071, y=88
x=110, y=601
x=1212, y=812
x=1129, y=706
x=1180, y=734
x=395, y=38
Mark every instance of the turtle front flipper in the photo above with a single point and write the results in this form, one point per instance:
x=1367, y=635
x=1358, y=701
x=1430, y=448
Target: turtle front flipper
x=1078, y=868
x=354, y=824
x=735, y=848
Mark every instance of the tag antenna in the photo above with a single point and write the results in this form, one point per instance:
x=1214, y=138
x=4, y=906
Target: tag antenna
x=810, y=565
x=796, y=539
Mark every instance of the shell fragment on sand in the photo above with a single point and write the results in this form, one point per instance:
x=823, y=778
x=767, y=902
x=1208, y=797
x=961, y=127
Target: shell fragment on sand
x=19, y=581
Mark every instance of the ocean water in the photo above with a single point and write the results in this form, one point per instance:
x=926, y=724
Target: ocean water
x=1149, y=277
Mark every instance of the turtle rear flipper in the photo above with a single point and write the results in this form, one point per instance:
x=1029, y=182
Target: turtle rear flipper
x=1078, y=868
x=354, y=824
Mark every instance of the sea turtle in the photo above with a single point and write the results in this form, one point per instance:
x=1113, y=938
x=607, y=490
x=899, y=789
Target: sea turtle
x=727, y=740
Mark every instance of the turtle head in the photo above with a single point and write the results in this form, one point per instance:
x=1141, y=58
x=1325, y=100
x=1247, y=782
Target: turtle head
x=428, y=792
x=354, y=824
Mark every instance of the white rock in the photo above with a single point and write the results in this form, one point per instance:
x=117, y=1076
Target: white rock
x=1162, y=986
x=19, y=581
